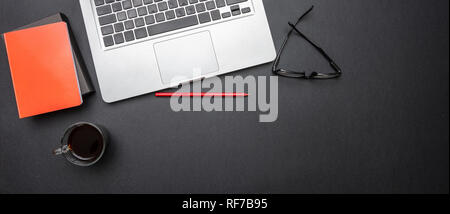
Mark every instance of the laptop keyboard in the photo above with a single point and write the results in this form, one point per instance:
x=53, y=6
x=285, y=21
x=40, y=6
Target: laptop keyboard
x=128, y=21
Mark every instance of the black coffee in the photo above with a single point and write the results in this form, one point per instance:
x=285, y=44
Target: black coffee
x=86, y=141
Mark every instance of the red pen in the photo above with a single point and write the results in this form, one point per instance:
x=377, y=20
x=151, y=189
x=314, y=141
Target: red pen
x=188, y=94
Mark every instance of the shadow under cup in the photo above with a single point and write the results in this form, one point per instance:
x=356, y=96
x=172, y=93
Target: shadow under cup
x=83, y=144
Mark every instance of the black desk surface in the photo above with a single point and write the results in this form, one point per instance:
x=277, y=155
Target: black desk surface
x=382, y=128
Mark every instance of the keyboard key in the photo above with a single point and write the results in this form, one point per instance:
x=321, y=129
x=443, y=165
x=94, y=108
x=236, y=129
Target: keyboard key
x=230, y=2
x=109, y=1
x=152, y=9
x=173, y=4
x=132, y=13
x=148, y=2
x=215, y=15
x=103, y=10
x=118, y=27
x=190, y=9
x=183, y=3
x=236, y=12
x=129, y=36
x=162, y=6
x=220, y=3
x=193, y=1
x=140, y=33
x=127, y=4
x=118, y=38
x=107, y=30
x=170, y=14
x=160, y=17
x=121, y=16
x=99, y=2
x=246, y=10
x=204, y=17
x=180, y=12
x=108, y=40
x=139, y=22
x=142, y=11
x=226, y=15
x=172, y=25
x=137, y=3
x=129, y=24
x=149, y=19
x=109, y=19
x=117, y=7
x=210, y=5
x=200, y=7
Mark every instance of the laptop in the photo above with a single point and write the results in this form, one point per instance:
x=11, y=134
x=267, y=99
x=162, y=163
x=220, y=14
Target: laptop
x=143, y=46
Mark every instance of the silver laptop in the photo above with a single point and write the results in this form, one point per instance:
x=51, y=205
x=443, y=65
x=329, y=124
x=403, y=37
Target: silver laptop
x=143, y=46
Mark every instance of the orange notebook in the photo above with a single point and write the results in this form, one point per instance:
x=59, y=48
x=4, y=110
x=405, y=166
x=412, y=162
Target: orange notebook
x=42, y=69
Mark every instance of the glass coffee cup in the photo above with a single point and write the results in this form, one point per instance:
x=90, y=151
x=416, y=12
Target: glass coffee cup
x=83, y=144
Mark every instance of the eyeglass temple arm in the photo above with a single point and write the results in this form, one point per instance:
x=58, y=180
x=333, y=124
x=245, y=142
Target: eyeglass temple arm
x=304, y=15
x=324, y=54
x=277, y=59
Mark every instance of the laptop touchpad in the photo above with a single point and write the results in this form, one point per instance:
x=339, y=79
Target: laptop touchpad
x=186, y=58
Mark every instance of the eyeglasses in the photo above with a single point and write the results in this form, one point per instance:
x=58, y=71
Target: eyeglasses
x=303, y=75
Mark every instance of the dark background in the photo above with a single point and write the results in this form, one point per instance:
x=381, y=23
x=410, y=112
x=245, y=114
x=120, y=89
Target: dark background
x=382, y=128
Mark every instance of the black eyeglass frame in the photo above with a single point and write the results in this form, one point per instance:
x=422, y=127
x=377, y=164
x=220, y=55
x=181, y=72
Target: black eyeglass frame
x=303, y=75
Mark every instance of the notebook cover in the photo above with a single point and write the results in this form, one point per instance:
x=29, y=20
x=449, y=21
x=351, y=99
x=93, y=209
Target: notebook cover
x=42, y=69
x=83, y=78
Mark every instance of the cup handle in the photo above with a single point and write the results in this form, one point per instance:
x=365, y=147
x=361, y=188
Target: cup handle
x=62, y=150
